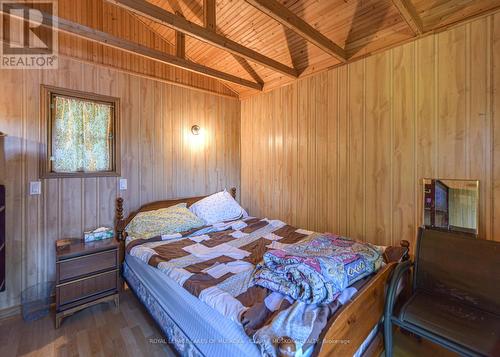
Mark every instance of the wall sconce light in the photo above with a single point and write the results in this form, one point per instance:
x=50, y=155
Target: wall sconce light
x=195, y=130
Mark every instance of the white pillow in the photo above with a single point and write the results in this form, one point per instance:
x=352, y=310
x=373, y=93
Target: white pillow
x=220, y=206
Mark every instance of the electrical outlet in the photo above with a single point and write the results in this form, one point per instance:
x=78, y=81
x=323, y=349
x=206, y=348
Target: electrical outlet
x=35, y=187
x=123, y=184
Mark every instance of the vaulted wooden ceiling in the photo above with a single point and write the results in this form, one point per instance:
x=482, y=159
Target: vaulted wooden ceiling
x=254, y=45
x=359, y=27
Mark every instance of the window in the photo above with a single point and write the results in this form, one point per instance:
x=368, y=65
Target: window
x=82, y=134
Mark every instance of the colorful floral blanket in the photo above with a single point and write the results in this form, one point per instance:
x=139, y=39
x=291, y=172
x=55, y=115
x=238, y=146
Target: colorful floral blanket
x=317, y=269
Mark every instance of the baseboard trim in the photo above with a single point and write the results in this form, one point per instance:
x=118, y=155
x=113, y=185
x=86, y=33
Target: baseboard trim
x=10, y=312
x=16, y=310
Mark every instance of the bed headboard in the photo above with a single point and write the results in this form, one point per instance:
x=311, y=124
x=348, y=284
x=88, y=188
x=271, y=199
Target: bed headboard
x=121, y=223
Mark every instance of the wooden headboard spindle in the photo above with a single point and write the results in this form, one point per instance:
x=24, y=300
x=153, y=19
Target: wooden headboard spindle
x=119, y=218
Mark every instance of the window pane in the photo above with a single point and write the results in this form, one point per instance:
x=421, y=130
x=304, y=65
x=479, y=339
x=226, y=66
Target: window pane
x=82, y=136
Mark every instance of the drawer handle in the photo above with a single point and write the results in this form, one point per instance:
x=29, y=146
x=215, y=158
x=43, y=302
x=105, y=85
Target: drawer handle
x=86, y=278
x=86, y=256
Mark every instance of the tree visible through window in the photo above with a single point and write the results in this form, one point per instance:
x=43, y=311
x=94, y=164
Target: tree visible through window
x=81, y=134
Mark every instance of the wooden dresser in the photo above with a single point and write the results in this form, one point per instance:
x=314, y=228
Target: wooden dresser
x=86, y=274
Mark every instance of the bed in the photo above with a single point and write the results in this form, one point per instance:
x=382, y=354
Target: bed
x=194, y=328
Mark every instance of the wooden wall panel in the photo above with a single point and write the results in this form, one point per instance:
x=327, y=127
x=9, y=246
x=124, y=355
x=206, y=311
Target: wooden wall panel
x=479, y=127
x=428, y=108
x=321, y=158
x=356, y=199
x=332, y=140
x=426, y=138
x=158, y=159
x=377, y=141
x=452, y=102
x=495, y=112
x=341, y=102
x=404, y=177
x=304, y=183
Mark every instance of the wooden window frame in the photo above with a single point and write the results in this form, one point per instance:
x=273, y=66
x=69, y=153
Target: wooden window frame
x=46, y=112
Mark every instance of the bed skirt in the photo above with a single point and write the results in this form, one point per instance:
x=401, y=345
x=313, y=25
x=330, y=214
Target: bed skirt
x=175, y=337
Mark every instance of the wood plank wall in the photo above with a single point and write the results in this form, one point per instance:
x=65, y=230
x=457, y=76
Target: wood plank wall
x=345, y=150
x=158, y=159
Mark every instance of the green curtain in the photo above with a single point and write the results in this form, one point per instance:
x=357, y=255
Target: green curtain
x=81, y=136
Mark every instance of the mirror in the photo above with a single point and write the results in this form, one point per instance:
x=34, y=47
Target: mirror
x=451, y=204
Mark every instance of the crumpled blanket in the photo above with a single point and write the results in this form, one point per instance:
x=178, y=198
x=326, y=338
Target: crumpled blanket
x=317, y=269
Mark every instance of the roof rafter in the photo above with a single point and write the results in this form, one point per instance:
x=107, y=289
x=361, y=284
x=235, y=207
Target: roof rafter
x=178, y=23
x=180, y=44
x=287, y=18
x=209, y=16
x=107, y=39
x=410, y=15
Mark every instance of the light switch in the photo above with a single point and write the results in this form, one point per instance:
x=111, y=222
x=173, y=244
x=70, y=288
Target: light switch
x=35, y=187
x=123, y=184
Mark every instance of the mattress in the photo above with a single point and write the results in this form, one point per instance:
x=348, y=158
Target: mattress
x=206, y=331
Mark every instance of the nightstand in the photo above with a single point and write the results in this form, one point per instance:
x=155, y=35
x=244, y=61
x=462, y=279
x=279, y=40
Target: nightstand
x=86, y=274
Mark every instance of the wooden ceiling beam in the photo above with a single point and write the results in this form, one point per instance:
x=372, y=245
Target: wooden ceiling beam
x=410, y=15
x=159, y=15
x=107, y=39
x=209, y=16
x=180, y=44
x=288, y=19
x=210, y=23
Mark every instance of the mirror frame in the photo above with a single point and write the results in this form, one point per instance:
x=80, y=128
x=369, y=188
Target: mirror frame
x=422, y=199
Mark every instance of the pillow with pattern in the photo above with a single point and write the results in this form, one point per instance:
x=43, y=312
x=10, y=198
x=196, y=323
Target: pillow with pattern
x=168, y=220
x=218, y=207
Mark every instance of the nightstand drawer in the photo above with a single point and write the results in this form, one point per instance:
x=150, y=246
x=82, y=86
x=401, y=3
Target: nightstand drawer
x=87, y=287
x=87, y=264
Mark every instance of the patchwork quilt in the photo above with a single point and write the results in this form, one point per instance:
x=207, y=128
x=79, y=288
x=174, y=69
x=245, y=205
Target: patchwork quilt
x=216, y=264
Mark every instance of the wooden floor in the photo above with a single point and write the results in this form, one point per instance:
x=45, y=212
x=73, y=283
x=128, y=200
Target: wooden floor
x=103, y=330
x=408, y=346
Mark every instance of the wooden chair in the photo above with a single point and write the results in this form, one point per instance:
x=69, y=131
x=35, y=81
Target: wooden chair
x=455, y=295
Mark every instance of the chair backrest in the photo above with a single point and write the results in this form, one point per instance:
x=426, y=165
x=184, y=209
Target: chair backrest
x=454, y=264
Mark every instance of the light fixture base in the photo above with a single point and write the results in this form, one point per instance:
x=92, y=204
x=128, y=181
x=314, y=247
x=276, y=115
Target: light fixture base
x=195, y=130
